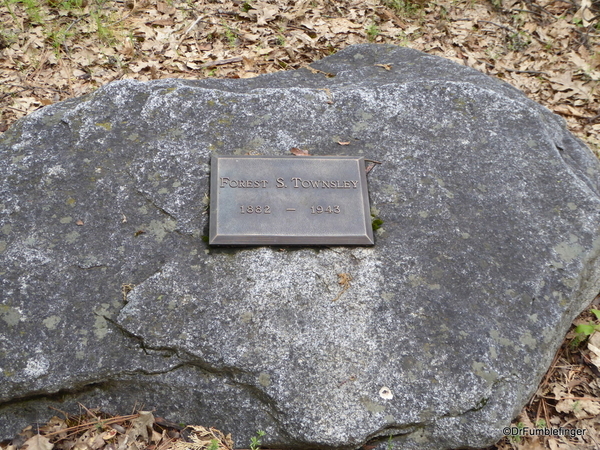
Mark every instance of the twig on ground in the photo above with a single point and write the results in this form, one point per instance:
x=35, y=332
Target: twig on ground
x=221, y=62
x=372, y=165
x=185, y=33
x=512, y=30
x=499, y=26
x=527, y=11
x=594, y=399
x=123, y=18
x=541, y=8
x=593, y=118
x=64, y=44
x=199, y=19
x=532, y=72
x=74, y=22
x=77, y=428
x=9, y=94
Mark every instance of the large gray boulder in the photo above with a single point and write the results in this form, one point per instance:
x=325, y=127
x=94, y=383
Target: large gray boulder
x=111, y=297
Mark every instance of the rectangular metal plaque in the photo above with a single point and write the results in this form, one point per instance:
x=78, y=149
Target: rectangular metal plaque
x=289, y=200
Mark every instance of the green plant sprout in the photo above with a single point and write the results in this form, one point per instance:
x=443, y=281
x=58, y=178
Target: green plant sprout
x=586, y=329
x=518, y=41
x=376, y=222
x=230, y=34
x=6, y=37
x=70, y=4
x=404, y=7
x=541, y=423
x=214, y=445
x=104, y=32
x=255, y=441
x=372, y=32
x=33, y=10
x=518, y=438
x=7, y=4
x=58, y=37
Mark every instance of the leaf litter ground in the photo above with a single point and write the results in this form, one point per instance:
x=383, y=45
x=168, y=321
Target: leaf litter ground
x=93, y=430
x=51, y=50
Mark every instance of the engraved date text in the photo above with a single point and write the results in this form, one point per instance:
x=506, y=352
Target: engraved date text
x=250, y=209
x=325, y=209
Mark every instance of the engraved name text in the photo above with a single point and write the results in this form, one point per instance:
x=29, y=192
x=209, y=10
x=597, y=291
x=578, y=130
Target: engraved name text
x=294, y=182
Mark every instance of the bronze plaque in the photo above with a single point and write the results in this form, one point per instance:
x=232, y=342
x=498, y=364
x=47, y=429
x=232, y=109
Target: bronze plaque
x=289, y=200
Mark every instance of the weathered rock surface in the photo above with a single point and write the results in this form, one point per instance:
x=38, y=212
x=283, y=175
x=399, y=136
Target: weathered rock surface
x=489, y=248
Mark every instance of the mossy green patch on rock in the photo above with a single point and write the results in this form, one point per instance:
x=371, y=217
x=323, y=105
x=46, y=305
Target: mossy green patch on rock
x=106, y=125
x=264, y=379
x=160, y=228
x=11, y=316
x=482, y=370
x=568, y=250
x=372, y=406
x=51, y=322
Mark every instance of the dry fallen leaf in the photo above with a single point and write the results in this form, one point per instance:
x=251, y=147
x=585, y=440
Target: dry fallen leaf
x=163, y=23
x=54, y=425
x=531, y=446
x=140, y=426
x=200, y=438
x=299, y=152
x=594, y=348
x=584, y=13
x=262, y=12
x=329, y=95
x=38, y=442
x=579, y=408
x=344, y=281
x=567, y=110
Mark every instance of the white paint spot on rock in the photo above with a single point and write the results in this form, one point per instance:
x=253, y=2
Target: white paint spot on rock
x=386, y=393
